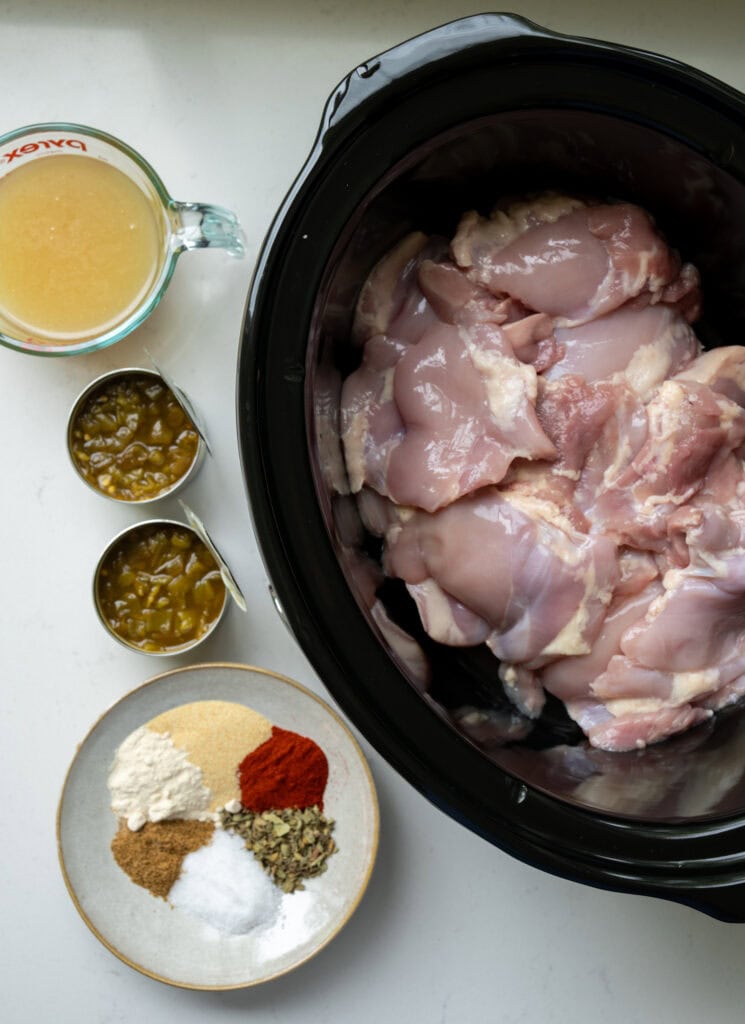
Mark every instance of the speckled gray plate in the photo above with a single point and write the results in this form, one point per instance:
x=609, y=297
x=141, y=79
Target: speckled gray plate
x=172, y=946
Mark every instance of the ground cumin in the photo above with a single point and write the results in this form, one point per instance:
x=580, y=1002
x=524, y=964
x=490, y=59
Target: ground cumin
x=153, y=856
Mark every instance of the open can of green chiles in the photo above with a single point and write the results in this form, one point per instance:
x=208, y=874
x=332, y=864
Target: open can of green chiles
x=161, y=587
x=133, y=436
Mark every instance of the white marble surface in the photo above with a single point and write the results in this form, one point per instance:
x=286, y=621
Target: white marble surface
x=224, y=99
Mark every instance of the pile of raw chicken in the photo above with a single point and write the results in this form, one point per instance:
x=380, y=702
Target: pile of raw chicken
x=554, y=464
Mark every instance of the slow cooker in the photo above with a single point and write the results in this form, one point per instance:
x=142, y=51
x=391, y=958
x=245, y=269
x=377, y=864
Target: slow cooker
x=450, y=120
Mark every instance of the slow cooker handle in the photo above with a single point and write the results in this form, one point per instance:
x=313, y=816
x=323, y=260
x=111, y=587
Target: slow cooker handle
x=725, y=904
x=442, y=42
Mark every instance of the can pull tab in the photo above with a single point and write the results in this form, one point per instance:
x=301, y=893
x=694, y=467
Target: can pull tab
x=183, y=400
x=227, y=577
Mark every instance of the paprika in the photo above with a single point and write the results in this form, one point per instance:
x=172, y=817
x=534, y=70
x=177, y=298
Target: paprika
x=287, y=770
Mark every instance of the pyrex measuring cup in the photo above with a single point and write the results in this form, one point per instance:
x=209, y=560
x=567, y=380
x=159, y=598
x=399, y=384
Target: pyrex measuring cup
x=171, y=227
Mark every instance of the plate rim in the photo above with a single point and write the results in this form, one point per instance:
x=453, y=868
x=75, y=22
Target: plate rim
x=140, y=968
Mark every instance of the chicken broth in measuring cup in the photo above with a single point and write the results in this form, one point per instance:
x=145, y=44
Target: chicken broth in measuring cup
x=80, y=246
x=89, y=238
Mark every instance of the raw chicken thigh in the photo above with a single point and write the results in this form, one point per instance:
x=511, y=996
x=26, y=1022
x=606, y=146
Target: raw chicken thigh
x=569, y=259
x=554, y=465
x=438, y=407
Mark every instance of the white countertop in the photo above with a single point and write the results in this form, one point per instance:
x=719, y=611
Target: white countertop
x=224, y=100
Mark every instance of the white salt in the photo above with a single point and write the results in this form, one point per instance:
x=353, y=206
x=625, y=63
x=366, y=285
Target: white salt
x=224, y=885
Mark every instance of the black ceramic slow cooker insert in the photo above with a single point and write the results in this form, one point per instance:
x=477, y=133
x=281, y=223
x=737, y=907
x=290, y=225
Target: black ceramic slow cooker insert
x=451, y=120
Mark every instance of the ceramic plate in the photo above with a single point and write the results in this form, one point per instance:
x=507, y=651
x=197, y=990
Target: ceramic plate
x=168, y=944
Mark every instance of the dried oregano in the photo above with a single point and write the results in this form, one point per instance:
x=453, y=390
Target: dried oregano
x=290, y=844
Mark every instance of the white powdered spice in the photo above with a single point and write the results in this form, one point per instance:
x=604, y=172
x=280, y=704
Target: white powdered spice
x=151, y=780
x=224, y=885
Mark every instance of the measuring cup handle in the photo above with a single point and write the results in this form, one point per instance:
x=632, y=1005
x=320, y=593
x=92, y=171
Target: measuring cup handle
x=203, y=226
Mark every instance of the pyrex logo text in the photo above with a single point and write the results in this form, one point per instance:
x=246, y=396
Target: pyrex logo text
x=33, y=147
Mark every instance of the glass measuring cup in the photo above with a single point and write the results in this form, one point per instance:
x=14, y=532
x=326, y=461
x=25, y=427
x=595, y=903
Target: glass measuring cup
x=37, y=226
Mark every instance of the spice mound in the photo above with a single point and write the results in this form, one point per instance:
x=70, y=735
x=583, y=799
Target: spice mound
x=153, y=856
x=152, y=780
x=159, y=588
x=287, y=771
x=225, y=886
x=131, y=439
x=220, y=813
x=290, y=844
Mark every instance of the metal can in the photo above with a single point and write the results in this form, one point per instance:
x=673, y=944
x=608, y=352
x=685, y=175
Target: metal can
x=133, y=436
x=159, y=589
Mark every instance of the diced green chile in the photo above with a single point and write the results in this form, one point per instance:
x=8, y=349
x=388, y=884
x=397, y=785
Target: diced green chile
x=131, y=439
x=159, y=588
